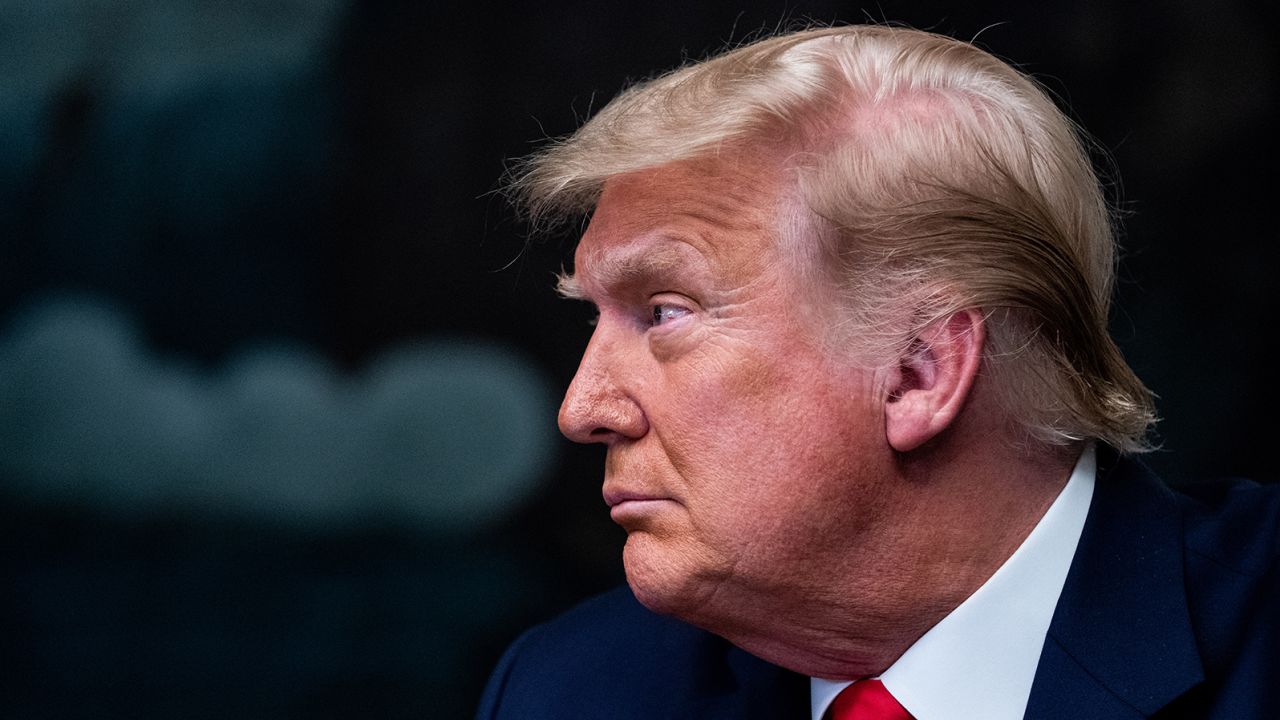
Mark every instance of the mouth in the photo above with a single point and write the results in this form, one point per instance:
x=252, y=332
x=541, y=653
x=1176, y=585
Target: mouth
x=626, y=507
x=614, y=498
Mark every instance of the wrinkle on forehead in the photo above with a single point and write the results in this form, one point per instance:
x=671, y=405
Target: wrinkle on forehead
x=724, y=212
x=729, y=194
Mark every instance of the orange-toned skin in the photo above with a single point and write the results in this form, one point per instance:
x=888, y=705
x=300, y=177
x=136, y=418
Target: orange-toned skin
x=817, y=513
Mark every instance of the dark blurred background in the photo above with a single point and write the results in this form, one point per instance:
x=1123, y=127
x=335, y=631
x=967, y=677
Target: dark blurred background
x=278, y=385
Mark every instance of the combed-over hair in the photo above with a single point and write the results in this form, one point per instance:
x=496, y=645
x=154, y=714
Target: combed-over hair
x=944, y=179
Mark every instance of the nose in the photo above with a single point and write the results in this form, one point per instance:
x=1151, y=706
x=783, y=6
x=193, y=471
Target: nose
x=598, y=406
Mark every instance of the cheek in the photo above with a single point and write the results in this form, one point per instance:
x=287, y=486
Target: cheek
x=751, y=388
x=741, y=425
x=721, y=396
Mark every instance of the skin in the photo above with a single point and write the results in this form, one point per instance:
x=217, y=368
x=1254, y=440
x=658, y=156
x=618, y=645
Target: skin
x=819, y=514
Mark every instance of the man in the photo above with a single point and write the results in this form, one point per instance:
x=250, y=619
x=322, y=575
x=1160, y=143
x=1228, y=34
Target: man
x=865, y=427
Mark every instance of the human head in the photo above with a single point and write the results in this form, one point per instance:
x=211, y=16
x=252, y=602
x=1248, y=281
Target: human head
x=939, y=179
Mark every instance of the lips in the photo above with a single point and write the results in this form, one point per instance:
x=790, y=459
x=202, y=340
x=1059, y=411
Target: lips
x=635, y=509
x=614, y=497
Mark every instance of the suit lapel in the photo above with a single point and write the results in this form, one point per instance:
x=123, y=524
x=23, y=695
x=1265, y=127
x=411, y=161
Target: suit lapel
x=1121, y=643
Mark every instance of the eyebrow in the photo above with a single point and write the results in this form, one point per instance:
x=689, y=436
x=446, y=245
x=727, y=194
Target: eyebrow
x=622, y=268
x=568, y=288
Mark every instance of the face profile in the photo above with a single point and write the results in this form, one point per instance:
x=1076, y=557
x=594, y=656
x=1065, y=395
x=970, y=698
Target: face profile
x=711, y=382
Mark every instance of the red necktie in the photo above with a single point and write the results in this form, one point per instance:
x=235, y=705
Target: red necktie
x=867, y=700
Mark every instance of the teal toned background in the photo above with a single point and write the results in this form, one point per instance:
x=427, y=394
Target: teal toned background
x=278, y=385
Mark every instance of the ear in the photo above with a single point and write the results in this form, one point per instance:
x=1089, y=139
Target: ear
x=933, y=380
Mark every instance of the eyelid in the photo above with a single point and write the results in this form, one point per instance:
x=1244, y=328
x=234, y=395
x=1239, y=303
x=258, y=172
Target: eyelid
x=668, y=300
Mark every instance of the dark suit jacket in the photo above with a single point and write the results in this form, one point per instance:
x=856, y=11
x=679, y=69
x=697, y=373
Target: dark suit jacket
x=1171, y=610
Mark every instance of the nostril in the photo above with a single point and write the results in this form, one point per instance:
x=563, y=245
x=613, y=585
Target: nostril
x=577, y=422
x=601, y=418
x=596, y=407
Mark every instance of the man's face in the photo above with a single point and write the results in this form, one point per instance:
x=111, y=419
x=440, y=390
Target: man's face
x=743, y=452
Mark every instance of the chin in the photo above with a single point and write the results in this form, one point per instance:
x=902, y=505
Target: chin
x=655, y=599
x=667, y=580
x=654, y=583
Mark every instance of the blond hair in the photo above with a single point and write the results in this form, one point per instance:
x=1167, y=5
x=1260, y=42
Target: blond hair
x=944, y=179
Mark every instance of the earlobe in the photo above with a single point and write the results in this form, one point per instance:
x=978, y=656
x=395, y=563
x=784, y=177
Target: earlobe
x=933, y=380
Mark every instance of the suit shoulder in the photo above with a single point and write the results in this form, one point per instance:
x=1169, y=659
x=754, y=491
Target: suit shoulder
x=1232, y=565
x=607, y=657
x=1235, y=524
x=612, y=628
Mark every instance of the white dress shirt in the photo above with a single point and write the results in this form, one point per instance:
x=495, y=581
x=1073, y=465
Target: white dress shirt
x=978, y=662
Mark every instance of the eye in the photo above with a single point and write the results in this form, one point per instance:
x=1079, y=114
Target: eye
x=665, y=312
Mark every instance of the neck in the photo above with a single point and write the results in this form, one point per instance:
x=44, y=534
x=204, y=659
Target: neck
x=955, y=511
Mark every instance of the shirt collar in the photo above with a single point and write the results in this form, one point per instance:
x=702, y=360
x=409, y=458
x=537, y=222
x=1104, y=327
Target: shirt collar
x=980, y=660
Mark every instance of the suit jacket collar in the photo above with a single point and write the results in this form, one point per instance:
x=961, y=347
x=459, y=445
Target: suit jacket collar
x=1121, y=641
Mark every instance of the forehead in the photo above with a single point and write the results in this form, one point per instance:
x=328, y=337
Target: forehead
x=725, y=211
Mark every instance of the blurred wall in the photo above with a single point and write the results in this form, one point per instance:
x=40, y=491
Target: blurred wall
x=278, y=384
